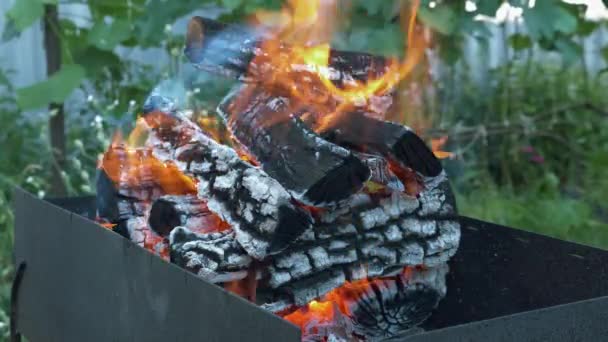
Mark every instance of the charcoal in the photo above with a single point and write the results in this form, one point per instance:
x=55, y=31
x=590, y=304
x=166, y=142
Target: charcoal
x=124, y=205
x=232, y=50
x=314, y=171
x=164, y=217
x=366, y=238
x=255, y=205
x=107, y=197
x=217, y=257
x=189, y=211
x=395, y=142
x=371, y=238
x=391, y=306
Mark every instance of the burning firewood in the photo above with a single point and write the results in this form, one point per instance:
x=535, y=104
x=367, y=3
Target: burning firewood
x=230, y=49
x=377, y=309
x=255, y=205
x=217, y=257
x=320, y=207
x=314, y=171
x=394, y=142
x=188, y=211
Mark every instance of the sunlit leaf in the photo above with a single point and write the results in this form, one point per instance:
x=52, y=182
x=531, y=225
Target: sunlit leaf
x=107, y=36
x=547, y=18
x=54, y=90
x=488, y=7
x=25, y=12
x=443, y=19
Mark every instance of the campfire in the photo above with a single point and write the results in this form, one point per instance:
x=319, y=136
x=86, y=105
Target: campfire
x=314, y=207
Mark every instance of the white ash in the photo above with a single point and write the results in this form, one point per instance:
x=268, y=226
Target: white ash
x=215, y=256
x=243, y=195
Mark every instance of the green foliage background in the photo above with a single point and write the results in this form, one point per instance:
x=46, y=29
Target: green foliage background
x=531, y=139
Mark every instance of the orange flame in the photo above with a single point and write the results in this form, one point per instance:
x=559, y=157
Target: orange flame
x=304, y=69
x=336, y=301
x=131, y=165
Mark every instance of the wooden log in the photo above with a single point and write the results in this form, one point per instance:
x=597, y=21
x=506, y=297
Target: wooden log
x=230, y=49
x=358, y=131
x=314, y=171
x=377, y=309
x=217, y=257
x=188, y=211
x=369, y=237
x=255, y=205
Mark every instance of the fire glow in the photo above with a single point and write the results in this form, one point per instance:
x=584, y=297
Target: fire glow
x=319, y=205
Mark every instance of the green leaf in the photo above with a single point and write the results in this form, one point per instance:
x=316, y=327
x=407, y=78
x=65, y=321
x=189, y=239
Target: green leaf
x=149, y=28
x=604, y=53
x=106, y=37
x=441, y=18
x=54, y=90
x=520, y=42
x=22, y=15
x=547, y=18
x=488, y=7
x=570, y=51
x=565, y=22
x=586, y=27
x=231, y=5
x=25, y=12
x=95, y=60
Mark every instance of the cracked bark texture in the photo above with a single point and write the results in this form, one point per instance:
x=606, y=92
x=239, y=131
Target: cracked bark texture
x=388, y=307
x=302, y=255
x=368, y=238
x=313, y=170
x=256, y=206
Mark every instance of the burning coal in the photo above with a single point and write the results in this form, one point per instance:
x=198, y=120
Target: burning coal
x=317, y=209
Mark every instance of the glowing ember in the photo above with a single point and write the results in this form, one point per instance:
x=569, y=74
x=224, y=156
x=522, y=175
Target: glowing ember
x=245, y=217
x=304, y=70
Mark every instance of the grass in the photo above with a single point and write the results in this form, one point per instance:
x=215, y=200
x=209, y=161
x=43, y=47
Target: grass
x=557, y=216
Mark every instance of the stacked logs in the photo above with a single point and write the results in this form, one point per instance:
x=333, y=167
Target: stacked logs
x=297, y=215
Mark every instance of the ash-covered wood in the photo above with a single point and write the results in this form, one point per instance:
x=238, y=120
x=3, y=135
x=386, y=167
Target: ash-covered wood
x=314, y=171
x=397, y=143
x=217, y=257
x=126, y=205
x=369, y=238
x=382, y=308
x=189, y=211
x=233, y=50
x=391, y=306
x=255, y=205
x=123, y=204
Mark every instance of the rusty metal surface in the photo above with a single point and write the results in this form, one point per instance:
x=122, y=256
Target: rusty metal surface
x=86, y=283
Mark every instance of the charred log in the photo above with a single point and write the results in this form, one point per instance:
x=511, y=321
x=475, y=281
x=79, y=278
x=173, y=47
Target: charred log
x=313, y=170
x=230, y=50
x=395, y=142
x=255, y=205
x=367, y=238
x=376, y=309
x=217, y=257
x=391, y=306
x=189, y=211
x=370, y=238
